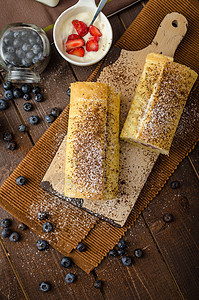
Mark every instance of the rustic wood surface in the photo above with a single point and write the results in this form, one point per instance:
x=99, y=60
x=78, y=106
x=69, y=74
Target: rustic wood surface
x=169, y=268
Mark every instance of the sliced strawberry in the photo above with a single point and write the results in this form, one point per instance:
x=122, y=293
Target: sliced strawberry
x=77, y=51
x=94, y=31
x=73, y=37
x=80, y=27
x=95, y=38
x=92, y=45
x=71, y=44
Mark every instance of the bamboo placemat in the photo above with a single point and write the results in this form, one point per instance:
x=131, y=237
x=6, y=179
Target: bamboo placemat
x=71, y=223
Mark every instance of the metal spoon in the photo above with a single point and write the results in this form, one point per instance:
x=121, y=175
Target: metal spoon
x=99, y=8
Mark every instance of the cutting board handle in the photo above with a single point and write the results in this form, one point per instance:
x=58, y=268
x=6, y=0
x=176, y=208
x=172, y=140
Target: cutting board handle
x=170, y=33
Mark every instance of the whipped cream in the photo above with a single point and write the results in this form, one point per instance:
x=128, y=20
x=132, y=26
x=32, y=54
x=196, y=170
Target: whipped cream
x=67, y=29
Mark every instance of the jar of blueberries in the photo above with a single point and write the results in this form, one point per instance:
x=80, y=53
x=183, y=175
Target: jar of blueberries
x=24, y=52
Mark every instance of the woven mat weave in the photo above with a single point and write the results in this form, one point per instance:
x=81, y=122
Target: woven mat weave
x=72, y=224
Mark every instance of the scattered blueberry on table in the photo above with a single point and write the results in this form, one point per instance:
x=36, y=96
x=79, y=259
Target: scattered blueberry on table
x=36, y=90
x=14, y=237
x=81, y=247
x=8, y=95
x=49, y=118
x=5, y=233
x=26, y=88
x=3, y=104
x=34, y=120
x=120, y=252
x=175, y=185
x=21, y=180
x=97, y=284
x=5, y=223
x=45, y=286
x=11, y=145
x=138, y=253
x=7, y=136
x=167, y=218
x=112, y=253
x=22, y=128
x=17, y=93
x=26, y=97
x=66, y=262
x=47, y=227
x=70, y=278
x=121, y=244
x=7, y=85
x=68, y=92
x=42, y=245
x=126, y=260
x=42, y=215
x=39, y=97
x=22, y=226
x=27, y=106
x=55, y=112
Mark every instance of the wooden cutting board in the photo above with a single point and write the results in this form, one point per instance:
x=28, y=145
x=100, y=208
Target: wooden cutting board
x=135, y=163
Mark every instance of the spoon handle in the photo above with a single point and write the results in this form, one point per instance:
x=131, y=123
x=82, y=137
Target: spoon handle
x=99, y=8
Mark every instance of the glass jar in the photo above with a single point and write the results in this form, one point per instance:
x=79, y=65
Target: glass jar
x=24, y=52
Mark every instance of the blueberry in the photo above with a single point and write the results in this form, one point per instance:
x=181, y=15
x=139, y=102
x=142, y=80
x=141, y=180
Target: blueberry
x=7, y=85
x=9, y=58
x=11, y=145
x=10, y=49
x=126, y=260
x=19, y=53
x=33, y=120
x=47, y=227
x=112, y=253
x=167, y=218
x=68, y=92
x=138, y=253
x=70, y=278
x=29, y=54
x=28, y=106
x=26, y=88
x=26, y=47
x=49, y=118
x=22, y=226
x=40, y=55
x=16, y=34
x=3, y=104
x=17, y=43
x=55, y=112
x=45, y=286
x=22, y=128
x=121, y=244
x=42, y=245
x=32, y=40
x=21, y=180
x=175, y=185
x=39, y=97
x=120, y=252
x=5, y=233
x=26, y=62
x=17, y=93
x=26, y=97
x=66, y=262
x=8, y=95
x=81, y=247
x=97, y=284
x=5, y=223
x=36, y=90
x=35, y=60
x=9, y=34
x=42, y=215
x=7, y=41
x=7, y=136
x=14, y=237
x=36, y=49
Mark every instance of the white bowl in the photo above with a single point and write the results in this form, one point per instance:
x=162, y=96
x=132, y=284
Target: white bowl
x=60, y=34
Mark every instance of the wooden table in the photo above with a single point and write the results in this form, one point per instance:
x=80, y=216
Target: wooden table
x=170, y=266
